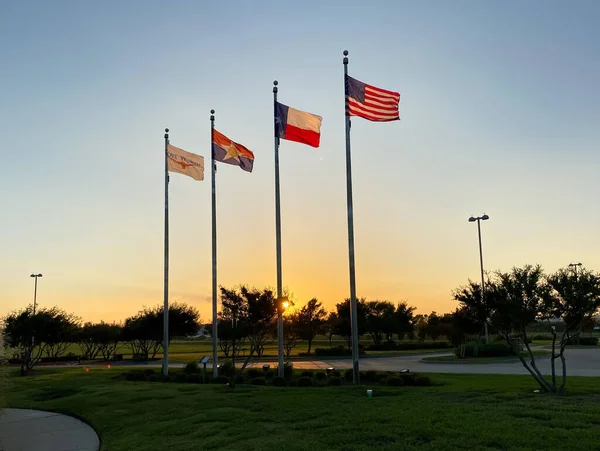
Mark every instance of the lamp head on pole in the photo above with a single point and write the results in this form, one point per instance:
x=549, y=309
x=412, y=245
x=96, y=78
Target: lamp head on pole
x=485, y=217
x=472, y=219
x=35, y=275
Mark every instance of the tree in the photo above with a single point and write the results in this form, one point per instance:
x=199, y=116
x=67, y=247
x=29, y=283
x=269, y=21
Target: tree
x=329, y=326
x=515, y=300
x=404, y=319
x=309, y=321
x=525, y=296
x=421, y=326
x=380, y=320
x=478, y=311
x=458, y=326
x=34, y=335
x=58, y=331
x=145, y=330
x=99, y=339
x=290, y=333
x=576, y=299
x=433, y=327
x=343, y=325
x=256, y=313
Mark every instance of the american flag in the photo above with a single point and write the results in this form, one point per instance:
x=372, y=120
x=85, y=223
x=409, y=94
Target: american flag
x=371, y=103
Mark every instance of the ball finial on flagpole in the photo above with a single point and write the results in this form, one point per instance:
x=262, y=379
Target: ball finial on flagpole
x=212, y=117
x=166, y=132
x=345, y=56
x=275, y=83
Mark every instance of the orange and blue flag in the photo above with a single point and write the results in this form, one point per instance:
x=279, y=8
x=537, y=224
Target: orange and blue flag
x=230, y=152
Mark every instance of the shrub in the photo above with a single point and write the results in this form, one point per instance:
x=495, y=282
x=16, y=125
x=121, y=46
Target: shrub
x=288, y=370
x=407, y=379
x=191, y=368
x=422, y=381
x=392, y=346
x=336, y=373
x=135, y=376
x=583, y=341
x=307, y=373
x=258, y=381
x=239, y=379
x=394, y=381
x=153, y=378
x=279, y=382
x=194, y=378
x=180, y=377
x=541, y=337
x=368, y=376
x=304, y=382
x=227, y=369
x=336, y=351
x=270, y=374
x=220, y=380
x=254, y=372
x=381, y=378
x=483, y=350
x=148, y=372
x=163, y=378
x=291, y=383
x=320, y=376
x=335, y=381
x=349, y=375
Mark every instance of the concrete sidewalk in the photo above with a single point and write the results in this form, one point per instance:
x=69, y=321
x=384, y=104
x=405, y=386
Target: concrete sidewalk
x=35, y=430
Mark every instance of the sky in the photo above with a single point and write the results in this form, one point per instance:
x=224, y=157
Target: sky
x=499, y=115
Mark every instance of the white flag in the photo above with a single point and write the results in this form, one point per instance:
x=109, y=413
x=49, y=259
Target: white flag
x=178, y=160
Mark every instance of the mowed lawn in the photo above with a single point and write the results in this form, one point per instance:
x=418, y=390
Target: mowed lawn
x=466, y=412
x=187, y=350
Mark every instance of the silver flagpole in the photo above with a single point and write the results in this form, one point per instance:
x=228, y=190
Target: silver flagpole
x=165, y=363
x=353, y=310
x=278, y=246
x=213, y=171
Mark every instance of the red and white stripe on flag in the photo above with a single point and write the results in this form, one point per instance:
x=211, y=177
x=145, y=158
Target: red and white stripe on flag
x=370, y=102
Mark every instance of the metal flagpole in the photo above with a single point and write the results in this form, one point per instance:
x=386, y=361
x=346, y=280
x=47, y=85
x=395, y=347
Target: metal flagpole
x=213, y=170
x=280, y=371
x=165, y=363
x=353, y=310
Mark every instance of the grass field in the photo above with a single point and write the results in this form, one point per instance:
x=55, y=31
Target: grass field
x=186, y=350
x=466, y=412
x=453, y=359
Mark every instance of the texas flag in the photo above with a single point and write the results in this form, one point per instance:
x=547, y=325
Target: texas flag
x=296, y=125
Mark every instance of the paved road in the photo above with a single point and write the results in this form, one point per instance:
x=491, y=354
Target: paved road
x=580, y=362
x=35, y=430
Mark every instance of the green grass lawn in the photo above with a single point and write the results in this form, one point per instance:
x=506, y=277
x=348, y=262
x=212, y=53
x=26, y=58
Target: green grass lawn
x=453, y=359
x=466, y=412
x=187, y=350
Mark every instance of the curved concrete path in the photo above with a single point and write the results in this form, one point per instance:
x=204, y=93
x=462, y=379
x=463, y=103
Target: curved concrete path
x=35, y=430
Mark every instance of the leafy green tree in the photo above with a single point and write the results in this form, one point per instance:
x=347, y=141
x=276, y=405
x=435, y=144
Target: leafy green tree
x=574, y=297
x=144, y=331
x=31, y=336
x=101, y=338
x=380, y=320
x=256, y=313
x=329, y=326
x=404, y=320
x=343, y=325
x=309, y=321
x=290, y=333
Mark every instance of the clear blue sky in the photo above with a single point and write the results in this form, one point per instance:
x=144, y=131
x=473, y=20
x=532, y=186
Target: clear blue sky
x=499, y=115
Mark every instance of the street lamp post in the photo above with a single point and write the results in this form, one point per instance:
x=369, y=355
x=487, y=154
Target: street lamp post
x=479, y=219
x=35, y=290
x=574, y=266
